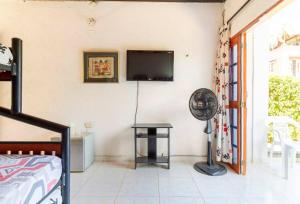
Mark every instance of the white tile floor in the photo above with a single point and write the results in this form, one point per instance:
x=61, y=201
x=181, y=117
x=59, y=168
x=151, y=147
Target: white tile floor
x=117, y=182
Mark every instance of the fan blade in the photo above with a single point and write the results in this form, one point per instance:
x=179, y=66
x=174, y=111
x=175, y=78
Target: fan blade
x=203, y=104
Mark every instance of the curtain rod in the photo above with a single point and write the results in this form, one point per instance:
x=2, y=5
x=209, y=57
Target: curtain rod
x=238, y=11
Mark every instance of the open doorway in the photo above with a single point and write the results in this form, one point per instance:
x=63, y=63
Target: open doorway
x=273, y=90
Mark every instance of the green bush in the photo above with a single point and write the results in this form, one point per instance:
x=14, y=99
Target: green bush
x=284, y=100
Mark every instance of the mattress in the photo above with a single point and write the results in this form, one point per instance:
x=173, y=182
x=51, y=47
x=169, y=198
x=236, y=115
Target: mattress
x=26, y=179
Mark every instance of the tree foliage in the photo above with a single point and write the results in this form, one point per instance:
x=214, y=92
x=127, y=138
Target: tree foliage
x=284, y=99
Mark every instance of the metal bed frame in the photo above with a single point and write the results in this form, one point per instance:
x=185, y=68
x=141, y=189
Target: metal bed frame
x=61, y=148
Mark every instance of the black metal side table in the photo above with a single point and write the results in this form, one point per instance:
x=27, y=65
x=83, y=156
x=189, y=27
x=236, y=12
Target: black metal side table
x=152, y=136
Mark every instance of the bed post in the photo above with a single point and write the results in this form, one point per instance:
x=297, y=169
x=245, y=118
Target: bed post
x=65, y=149
x=15, y=113
x=16, y=90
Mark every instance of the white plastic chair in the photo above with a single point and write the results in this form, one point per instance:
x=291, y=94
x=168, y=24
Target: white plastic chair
x=276, y=145
x=281, y=135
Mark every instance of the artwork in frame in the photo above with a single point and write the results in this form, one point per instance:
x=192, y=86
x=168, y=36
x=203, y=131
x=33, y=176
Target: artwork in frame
x=100, y=66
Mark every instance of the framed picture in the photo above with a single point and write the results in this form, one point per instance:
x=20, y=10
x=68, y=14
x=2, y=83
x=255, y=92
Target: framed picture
x=100, y=66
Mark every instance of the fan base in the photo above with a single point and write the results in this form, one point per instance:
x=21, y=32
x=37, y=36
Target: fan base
x=211, y=170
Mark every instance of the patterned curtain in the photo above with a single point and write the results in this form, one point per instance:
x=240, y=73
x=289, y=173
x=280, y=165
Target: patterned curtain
x=222, y=120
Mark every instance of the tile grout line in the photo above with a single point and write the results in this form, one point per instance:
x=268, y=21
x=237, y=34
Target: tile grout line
x=196, y=179
x=85, y=182
x=121, y=185
x=158, y=186
x=76, y=194
x=201, y=195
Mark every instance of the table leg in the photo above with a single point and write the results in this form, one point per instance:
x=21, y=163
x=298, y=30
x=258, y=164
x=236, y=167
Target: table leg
x=152, y=144
x=168, y=148
x=135, y=141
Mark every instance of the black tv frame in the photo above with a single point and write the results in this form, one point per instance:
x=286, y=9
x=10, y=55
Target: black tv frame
x=146, y=78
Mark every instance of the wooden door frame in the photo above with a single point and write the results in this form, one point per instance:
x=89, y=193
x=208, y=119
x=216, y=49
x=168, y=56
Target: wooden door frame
x=241, y=36
x=236, y=104
x=240, y=104
x=244, y=104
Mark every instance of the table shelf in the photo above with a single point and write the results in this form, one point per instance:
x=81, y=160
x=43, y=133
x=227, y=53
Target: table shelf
x=152, y=137
x=152, y=160
x=159, y=135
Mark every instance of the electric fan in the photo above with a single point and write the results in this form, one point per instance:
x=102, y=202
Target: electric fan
x=203, y=106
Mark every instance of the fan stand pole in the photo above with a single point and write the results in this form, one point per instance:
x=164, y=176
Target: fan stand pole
x=209, y=168
x=209, y=152
x=208, y=131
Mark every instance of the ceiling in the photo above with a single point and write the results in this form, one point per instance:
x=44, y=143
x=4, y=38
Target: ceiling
x=196, y=1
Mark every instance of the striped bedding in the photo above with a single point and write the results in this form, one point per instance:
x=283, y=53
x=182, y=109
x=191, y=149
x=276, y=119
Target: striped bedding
x=26, y=179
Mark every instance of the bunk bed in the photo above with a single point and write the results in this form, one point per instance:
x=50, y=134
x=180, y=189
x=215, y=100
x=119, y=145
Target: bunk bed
x=31, y=171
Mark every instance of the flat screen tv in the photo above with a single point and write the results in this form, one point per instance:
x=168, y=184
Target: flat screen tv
x=146, y=65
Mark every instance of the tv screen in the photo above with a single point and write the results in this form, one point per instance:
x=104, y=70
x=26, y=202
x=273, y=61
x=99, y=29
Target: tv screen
x=145, y=65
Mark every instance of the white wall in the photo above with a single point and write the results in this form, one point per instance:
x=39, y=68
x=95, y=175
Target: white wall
x=249, y=102
x=55, y=34
x=249, y=13
x=258, y=90
x=282, y=57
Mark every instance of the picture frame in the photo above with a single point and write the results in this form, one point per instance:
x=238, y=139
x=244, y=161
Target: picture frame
x=101, y=67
